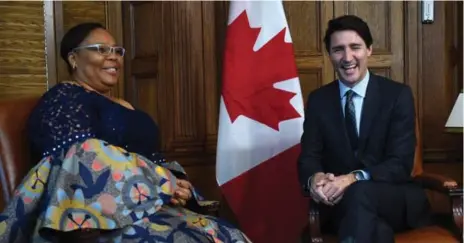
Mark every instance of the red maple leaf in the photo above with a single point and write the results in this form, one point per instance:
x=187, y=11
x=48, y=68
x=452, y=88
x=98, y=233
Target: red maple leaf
x=249, y=75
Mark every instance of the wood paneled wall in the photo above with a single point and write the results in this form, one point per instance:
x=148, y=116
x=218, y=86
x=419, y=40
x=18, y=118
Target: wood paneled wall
x=75, y=12
x=171, y=73
x=22, y=49
x=440, y=50
x=30, y=34
x=308, y=22
x=174, y=63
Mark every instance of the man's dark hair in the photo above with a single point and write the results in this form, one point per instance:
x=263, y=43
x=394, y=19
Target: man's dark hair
x=74, y=37
x=348, y=22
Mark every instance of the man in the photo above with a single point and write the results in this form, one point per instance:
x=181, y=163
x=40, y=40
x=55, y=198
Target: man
x=358, y=144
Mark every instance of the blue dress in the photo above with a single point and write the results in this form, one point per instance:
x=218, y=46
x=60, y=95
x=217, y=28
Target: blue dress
x=68, y=113
x=101, y=170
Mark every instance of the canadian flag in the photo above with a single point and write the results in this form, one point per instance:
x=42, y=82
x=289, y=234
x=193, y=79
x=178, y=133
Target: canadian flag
x=260, y=124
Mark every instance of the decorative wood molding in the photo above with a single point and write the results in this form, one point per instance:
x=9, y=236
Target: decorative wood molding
x=61, y=68
x=113, y=13
x=442, y=155
x=185, y=76
x=53, y=22
x=211, y=72
x=413, y=60
x=50, y=43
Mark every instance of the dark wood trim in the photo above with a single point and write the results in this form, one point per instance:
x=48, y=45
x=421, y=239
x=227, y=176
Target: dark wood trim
x=165, y=76
x=129, y=89
x=412, y=48
x=441, y=155
x=61, y=69
x=459, y=43
x=113, y=12
x=50, y=47
x=419, y=94
x=210, y=70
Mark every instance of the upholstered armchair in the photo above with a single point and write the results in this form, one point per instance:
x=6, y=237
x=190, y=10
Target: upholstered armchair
x=443, y=231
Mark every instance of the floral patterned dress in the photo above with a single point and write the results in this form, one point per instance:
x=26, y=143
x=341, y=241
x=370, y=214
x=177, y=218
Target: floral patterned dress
x=100, y=169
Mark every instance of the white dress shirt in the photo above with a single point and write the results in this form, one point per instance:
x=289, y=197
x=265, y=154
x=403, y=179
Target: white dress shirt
x=358, y=98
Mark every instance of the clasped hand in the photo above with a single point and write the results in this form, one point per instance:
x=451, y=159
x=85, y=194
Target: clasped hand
x=328, y=189
x=182, y=193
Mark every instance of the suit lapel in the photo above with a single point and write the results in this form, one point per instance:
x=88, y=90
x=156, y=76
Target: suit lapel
x=370, y=108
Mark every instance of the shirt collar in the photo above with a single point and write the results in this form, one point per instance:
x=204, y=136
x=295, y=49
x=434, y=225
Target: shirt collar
x=360, y=88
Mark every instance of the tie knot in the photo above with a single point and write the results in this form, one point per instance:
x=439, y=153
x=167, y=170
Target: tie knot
x=349, y=94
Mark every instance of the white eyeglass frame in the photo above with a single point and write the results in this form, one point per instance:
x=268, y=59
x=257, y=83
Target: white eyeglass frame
x=112, y=49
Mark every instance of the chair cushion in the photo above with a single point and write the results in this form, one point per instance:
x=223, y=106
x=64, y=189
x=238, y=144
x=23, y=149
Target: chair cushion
x=430, y=234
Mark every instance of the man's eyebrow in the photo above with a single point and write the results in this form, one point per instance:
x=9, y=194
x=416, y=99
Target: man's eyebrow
x=336, y=47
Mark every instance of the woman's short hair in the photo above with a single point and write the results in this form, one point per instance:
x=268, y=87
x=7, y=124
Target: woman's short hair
x=348, y=22
x=74, y=37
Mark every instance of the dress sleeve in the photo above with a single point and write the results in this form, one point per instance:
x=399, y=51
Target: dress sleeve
x=64, y=116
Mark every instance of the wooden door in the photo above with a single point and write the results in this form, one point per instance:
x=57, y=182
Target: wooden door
x=307, y=21
x=385, y=20
x=170, y=73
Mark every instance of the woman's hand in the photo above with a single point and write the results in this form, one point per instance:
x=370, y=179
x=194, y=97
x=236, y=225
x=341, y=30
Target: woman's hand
x=182, y=193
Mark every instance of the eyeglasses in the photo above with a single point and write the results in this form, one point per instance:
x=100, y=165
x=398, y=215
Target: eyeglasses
x=103, y=49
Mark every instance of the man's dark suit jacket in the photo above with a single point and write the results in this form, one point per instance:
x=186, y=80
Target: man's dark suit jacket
x=386, y=139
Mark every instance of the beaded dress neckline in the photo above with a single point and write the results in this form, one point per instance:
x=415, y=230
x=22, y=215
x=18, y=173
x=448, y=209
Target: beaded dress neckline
x=68, y=114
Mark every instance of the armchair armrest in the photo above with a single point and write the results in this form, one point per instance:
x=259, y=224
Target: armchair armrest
x=315, y=233
x=448, y=187
x=204, y=207
x=211, y=208
x=314, y=227
x=438, y=183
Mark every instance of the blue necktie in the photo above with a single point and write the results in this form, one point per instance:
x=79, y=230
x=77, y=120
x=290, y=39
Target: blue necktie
x=350, y=120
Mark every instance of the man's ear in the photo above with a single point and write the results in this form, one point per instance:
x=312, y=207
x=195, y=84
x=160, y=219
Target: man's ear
x=369, y=50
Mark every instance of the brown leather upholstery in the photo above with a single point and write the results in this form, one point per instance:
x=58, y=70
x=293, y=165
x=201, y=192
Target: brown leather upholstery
x=15, y=159
x=432, y=234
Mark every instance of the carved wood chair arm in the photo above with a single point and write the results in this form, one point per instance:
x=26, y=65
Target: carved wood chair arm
x=314, y=226
x=209, y=208
x=448, y=187
x=438, y=183
x=206, y=207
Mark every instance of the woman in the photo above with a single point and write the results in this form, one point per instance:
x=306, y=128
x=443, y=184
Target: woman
x=100, y=176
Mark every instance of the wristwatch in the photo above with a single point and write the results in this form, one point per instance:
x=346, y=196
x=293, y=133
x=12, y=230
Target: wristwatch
x=359, y=176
